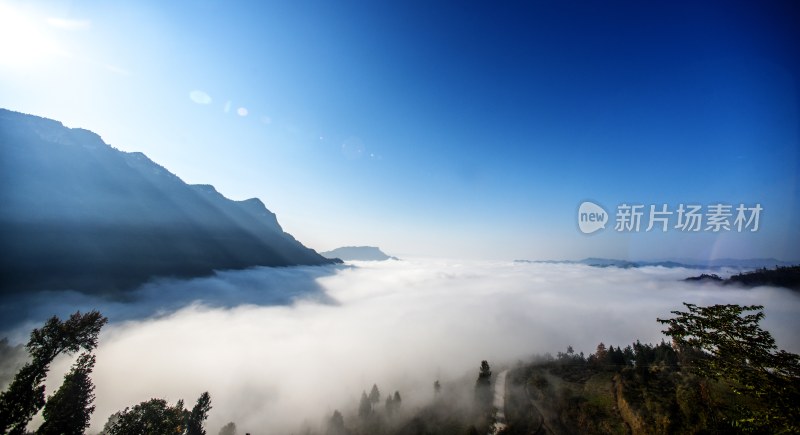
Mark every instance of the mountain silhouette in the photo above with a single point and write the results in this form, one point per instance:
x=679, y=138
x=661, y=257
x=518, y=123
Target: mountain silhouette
x=357, y=253
x=685, y=263
x=79, y=214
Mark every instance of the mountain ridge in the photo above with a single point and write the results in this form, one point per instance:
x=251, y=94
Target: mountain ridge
x=80, y=214
x=685, y=263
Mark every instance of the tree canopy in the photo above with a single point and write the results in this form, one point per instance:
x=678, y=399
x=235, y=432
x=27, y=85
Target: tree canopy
x=726, y=342
x=152, y=416
x=67, y=411
x=199, y=415
x=157, y=416
x=25, y=395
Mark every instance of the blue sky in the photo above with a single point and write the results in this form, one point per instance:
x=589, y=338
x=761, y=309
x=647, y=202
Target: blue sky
x=468, y=129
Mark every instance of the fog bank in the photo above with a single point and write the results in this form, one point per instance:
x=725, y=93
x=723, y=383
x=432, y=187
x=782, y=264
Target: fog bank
x=400, y=324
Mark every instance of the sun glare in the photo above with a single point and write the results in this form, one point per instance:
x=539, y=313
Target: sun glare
x=25, y=42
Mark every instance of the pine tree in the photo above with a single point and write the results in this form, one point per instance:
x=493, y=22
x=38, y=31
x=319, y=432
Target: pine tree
x=365, y=406
x=389, y=405
x=483, y=393
x=629, y=356
x=729, y=344
x=374, y=394
x=228, y=429
x=616, y=357
x=198, y=416
x=25, y=396
x=601, y=354
x=67, y=412
x=336, y=424
x=485, y=373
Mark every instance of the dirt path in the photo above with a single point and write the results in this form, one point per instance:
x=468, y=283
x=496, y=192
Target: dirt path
x=499, y=403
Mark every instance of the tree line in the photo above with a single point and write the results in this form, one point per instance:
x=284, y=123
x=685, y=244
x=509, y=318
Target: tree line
x=68, y=410
x=721, y=343
x=724, y=348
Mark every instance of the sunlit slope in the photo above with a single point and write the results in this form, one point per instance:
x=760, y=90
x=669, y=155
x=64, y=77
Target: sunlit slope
x=79, y=214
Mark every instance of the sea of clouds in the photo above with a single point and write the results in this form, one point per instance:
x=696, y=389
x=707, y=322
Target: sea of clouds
x=281, y=347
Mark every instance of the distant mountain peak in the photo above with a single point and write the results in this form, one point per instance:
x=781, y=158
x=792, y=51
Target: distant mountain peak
x=358, y=253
